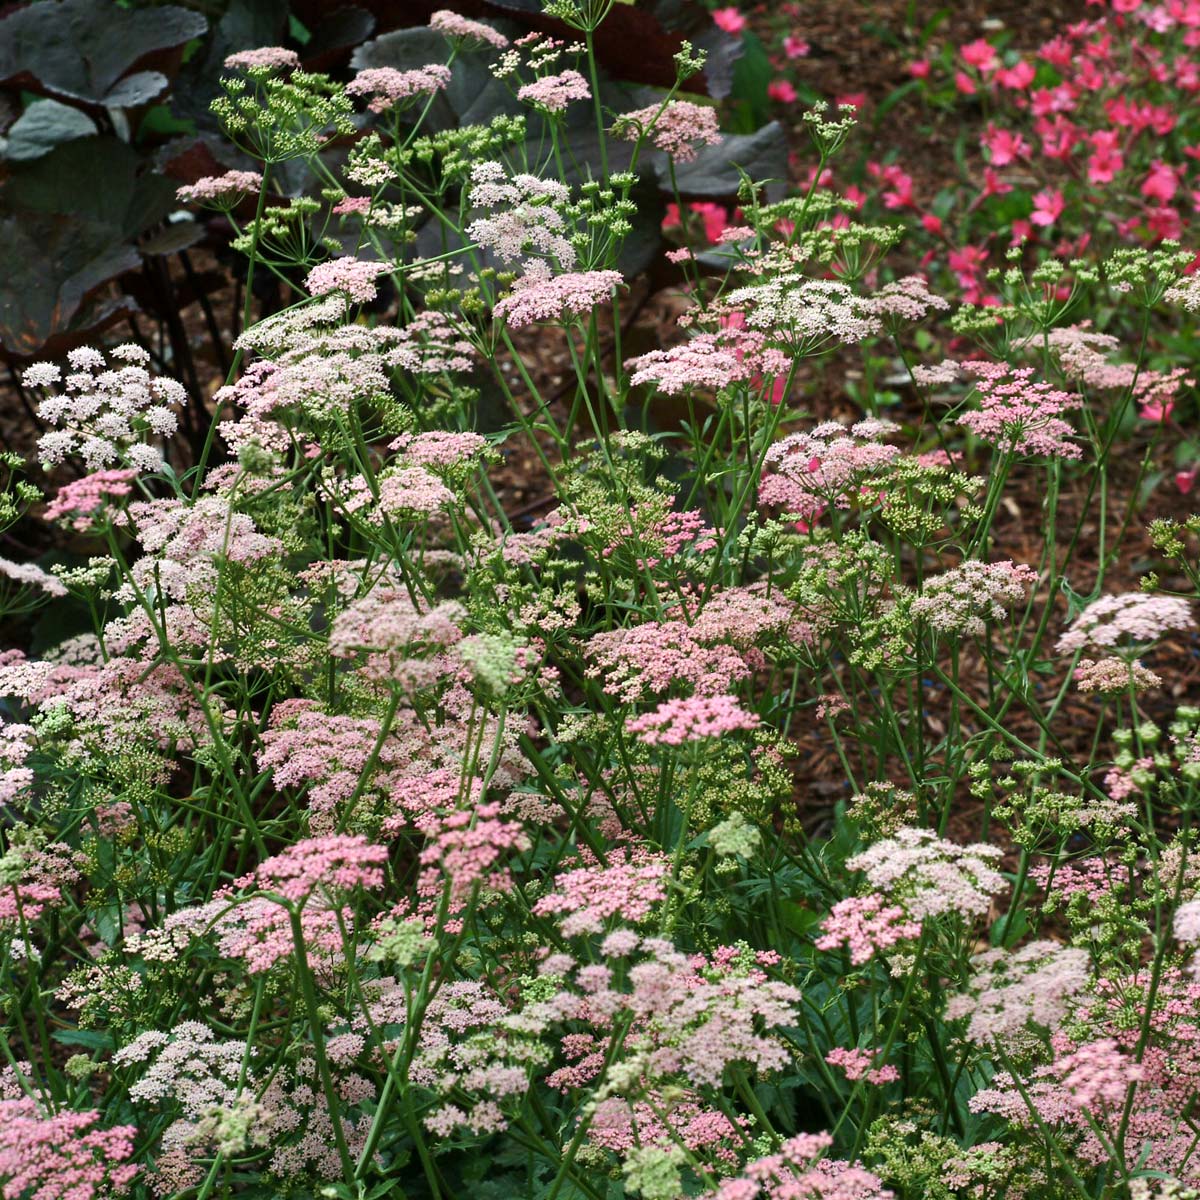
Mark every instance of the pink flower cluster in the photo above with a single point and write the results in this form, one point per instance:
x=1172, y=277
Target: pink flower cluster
x=335, y=863
x=694, y=719
x=929, y=876
x=676, y=129
x=457, y=27
x=552, y=93
x=220, y=190
x=587, y=897
x=963, y=600
x=1018, y=414
x=62, y=1156
x=465, y=850
x=1017, y=995
x=387, y=86
x=31, y=575
x=1128, y=618
x=353, y=276
x=858, y=1064
x=1114, y=676
x=866, y=925
x=34, y=878
x=663, y=1121
x=798, y=1171
x=536, y=298
x=805, y=473
x=265, y=58
x=711, y=361
x=81, y=499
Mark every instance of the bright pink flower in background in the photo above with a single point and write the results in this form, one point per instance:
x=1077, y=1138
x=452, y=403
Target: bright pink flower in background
x=993, y=185
x=1091, y=77
x=715, y=217
x=1164, y=222
x=795, y=47
x=1161, y=183
x=1017, y=77
x=1047, y=207
x=898, y=182
x=1047, y=101
x=1003, y=146
x=967, y=262
x=855, y=195
x=1106, y=159
x=1186, y=480
x=979, y=54
x=1059, y=135
x=933, y=224
x=1058, y=52
x=856, y=100
x=1157, y=410
x=920, y=68
x=729, y=19
x=781, y=91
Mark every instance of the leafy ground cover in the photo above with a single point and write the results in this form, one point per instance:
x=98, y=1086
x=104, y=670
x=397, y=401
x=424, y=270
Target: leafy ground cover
x=665, y=668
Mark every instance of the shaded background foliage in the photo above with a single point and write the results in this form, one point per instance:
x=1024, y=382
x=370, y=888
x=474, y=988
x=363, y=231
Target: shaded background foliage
x=104, y=112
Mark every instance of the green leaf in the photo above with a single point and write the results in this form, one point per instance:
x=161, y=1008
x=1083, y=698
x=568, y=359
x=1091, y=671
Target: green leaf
x=751, y=74
x=798, y=919
x=91, y=1039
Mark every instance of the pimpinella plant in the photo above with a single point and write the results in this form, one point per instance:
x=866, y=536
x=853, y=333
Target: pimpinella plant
x=370, y=833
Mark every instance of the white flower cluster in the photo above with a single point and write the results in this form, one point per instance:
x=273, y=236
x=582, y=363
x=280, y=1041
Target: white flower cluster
x=104, y=414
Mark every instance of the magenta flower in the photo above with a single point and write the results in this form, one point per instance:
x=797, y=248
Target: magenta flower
x=979, y=54
x=1047, y=207
x=729, y=19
